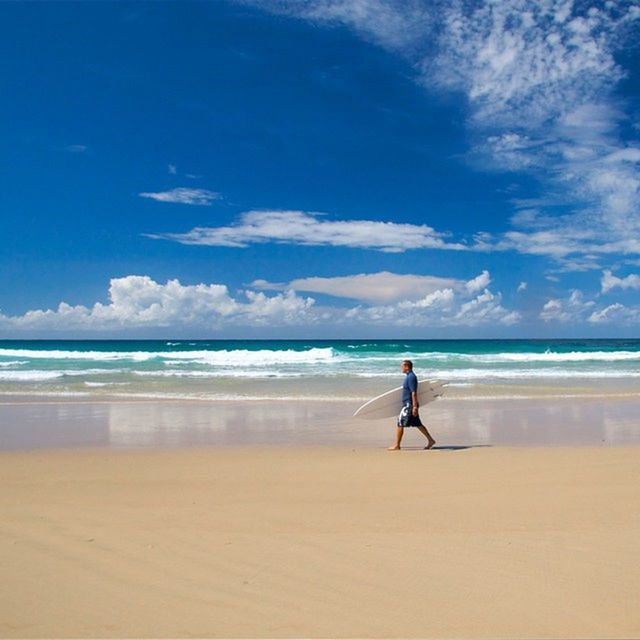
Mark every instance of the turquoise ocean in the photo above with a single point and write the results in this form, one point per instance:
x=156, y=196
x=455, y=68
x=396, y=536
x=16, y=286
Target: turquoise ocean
x=315, y=369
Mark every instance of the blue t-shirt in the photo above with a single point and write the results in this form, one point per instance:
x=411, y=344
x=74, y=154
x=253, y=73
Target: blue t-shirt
x=410, y=384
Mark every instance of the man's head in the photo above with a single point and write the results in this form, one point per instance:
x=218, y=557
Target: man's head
x=406, y=366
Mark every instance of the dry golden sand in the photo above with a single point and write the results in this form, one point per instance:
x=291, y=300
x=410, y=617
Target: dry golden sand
x=321, y=542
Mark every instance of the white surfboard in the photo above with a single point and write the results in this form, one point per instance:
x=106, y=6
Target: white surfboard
x=388, y=404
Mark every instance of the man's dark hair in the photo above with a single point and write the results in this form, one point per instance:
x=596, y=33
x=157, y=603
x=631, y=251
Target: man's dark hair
x=408, y=363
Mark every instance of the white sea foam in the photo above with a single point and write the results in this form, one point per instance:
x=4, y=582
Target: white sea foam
x=48, y=393
x=314, y=355
x=29, y=376
x=505, y=357
x=481, y=375
x=104, y=384
x=90, y=372
x=550, y=356
x=233, y=357
x=510, y=374
x=219, y=373
x=38, y=374
x=453, y=375
x=334, y=368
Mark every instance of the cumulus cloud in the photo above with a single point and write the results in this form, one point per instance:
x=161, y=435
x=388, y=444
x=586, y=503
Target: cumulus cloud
x=442, y=308
x=183, y=195
x=485, y=308
x=574, y=308
x=616, y=313
x=521, y=287
x=451, y=306
x=552, y=310
x=368, y=287
x=137, y=301
x=479, y=282
x=306, y=228
x=609, y=281
x=140, y=301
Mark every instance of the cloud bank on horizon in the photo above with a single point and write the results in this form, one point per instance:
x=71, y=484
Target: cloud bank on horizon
x=383, y=300
x=138, y=301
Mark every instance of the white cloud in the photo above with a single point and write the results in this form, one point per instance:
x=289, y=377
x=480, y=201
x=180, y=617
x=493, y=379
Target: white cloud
x=552, y=310
x=301, y=227
x=139, y=301
x=616, y=313
x=571, y=309
x=282, y=309
x=452, y=306
x=521, y=287
x=484, y=308
x=442, y=308
x=76, y=148
x=611, y=313
x=368, y=287
x=609, y=281
x=517, y=59
x=539, y=80
x=389, y=23
x=629, y=154
x=183, y=195
x=479, y=282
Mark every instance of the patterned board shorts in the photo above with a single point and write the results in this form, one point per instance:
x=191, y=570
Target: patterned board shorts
x=406, y=417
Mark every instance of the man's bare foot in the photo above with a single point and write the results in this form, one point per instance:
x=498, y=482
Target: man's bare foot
x=394, y=448
x=430, y=445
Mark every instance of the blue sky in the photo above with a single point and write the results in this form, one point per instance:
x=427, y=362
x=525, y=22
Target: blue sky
x=321, y=168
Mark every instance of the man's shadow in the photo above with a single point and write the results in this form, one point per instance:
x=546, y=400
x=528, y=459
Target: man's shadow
x=448, y=447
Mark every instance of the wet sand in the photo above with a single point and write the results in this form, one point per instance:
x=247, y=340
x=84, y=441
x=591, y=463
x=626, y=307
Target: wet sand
x=47, y=422
x=497, y=542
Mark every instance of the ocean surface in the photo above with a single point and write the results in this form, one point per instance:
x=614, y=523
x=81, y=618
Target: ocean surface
x=331, y=370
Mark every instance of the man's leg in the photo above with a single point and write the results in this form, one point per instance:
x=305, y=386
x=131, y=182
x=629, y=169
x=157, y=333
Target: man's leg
x=427, y=435
x=399, y=432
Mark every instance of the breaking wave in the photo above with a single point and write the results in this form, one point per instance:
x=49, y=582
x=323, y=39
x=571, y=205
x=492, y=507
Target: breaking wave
x=227, y=357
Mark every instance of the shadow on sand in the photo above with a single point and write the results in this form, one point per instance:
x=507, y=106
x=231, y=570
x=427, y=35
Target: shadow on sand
x=448, y=447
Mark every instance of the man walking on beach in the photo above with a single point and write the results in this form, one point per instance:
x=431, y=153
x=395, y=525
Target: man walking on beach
x=409, y=413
